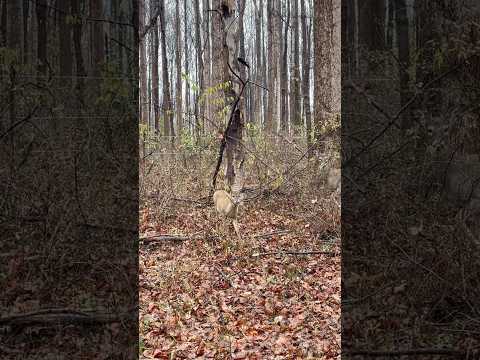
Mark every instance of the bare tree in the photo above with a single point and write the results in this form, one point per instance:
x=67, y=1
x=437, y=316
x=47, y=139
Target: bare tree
x=178, y=65
x=144, y=116
x=154, y=44
x=306, y=27
x=295, y=116
x=273, y=53
x=167, y=103
x=284, y=73
x=186, y=52
x=323, y=25
x=198, y=46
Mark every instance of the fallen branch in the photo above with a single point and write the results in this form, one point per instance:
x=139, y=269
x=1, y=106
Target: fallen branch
x=63, y=316
x=160, y=238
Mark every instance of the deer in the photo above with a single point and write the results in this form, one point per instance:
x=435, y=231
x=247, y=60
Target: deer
x=460, y=174
x=226, y=205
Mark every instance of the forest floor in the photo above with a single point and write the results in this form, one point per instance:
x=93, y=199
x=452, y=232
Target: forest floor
x=215, y=297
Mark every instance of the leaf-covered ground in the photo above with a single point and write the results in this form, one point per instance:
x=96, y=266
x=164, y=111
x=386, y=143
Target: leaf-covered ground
x=216, y=297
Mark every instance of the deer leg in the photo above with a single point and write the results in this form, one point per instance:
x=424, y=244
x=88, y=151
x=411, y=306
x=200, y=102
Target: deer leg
x=237, y=229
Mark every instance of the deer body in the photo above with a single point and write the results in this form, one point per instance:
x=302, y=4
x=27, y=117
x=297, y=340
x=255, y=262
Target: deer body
x=226, y=206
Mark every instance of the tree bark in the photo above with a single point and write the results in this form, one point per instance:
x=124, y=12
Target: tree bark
x=306, y=72
x=323, y=64
x=187, y=61
x=295, y=116
x=198, y=40
x=155, y=78
x=167, y=103
x=178, y=64
x=273, y=10
x=207, y=81
x=143, y=68
x=284, y=114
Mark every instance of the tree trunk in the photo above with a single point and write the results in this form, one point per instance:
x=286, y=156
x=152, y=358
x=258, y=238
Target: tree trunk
x=241, y=54
x=207, y=81
x=155, y=78
x=306, y=72
x=167, y=103
x=258, y=66
x=218, y=39
x=295, y=116
x=284, y=115
x=198, y=41
x=178, y=64
x=187, y=62
x=323, y=64
x=143, y=68
x=272, y=69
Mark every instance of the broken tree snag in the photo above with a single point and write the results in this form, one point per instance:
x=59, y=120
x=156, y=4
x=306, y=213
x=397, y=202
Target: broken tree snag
x=234, y=131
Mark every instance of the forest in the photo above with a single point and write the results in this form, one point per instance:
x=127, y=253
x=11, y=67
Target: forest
x=239, y=179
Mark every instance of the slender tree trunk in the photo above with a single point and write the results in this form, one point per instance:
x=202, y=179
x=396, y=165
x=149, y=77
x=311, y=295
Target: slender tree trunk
x=198, y=40
x=258, y=68
x=241, y=53
x=178, y=64
x=187, y=62
x=284, y=80
x=218, y=74
x=143, y=68
x=323, y=64
x=295, y=116
x=155, y=78
x=207, y=63
x=306, y=72
x=167, y=103
x=264, y=65
x=273, y=9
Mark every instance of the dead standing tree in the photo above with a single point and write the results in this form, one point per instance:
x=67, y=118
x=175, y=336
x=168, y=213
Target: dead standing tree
x=233, y=134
